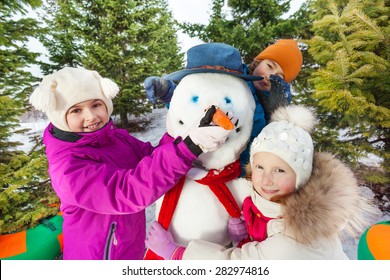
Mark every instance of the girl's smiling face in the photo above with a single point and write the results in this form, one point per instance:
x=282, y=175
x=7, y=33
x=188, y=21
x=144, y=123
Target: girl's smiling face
x=272, y=176
x=87, y=116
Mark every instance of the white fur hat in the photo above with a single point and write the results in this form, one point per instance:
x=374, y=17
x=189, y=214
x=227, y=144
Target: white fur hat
x=61, y=90
x=288, y=136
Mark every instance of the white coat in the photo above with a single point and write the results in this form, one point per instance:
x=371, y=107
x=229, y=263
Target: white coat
x=313, y=219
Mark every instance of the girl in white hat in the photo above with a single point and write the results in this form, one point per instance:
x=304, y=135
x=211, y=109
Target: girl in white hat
x=300, y=205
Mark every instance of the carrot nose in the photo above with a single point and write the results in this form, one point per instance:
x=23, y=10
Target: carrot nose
x=220, y=119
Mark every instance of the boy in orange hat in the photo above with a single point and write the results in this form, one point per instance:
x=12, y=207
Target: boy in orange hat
x=287, y=56
x=281, y=61
x=279, y=64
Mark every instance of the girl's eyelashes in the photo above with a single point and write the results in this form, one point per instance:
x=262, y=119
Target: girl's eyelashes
x=258, y=166
x=75, y=111
x=279, y=170
x=97, y=104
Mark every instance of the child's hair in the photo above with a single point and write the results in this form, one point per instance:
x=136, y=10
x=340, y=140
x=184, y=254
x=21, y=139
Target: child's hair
x=286, y=53
x=288, y=136
x=63, y=89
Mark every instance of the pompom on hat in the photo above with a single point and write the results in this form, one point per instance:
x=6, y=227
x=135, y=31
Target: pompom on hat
x=288, y=136
x=61, y=90
x=287, y=54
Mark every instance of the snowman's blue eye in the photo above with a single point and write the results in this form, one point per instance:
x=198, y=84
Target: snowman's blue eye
x=228, y=100
x=195, y=99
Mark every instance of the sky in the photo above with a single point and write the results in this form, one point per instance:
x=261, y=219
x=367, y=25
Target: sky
x=190, y=11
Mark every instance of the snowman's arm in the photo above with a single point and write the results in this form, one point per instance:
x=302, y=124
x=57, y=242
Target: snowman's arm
x=159, y=89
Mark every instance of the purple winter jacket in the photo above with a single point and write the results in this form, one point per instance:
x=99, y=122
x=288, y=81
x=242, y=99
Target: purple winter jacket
x=105, y=180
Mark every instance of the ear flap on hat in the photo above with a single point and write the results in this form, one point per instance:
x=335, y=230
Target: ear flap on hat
x=43, y=99
x=110, y=88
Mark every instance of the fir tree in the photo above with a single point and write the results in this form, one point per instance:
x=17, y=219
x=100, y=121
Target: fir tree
x=25, y=194
x=59, y=36
x=352, y=49
x=250, y=26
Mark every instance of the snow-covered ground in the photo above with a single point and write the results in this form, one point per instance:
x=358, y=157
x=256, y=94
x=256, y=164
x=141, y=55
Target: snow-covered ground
x=153, y=135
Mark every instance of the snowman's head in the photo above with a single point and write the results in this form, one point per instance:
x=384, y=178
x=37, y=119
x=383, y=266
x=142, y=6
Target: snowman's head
x=197, y=92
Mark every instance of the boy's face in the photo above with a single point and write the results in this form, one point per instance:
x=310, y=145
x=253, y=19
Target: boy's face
x=87, y=116
x=266, y=68
x=272, y=176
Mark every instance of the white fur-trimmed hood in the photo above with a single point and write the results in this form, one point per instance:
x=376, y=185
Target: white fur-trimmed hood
x=329, y=203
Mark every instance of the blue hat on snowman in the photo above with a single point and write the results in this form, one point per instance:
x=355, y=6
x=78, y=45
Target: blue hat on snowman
x=213, y=58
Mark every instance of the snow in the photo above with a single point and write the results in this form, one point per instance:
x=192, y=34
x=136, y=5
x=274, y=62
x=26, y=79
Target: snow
x=153, y=134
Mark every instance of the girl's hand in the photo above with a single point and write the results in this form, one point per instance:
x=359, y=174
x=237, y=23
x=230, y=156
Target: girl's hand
x=161, y=241
x=237, y=229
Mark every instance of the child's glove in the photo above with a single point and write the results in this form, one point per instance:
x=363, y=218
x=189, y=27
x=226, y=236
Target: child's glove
x=208, y=136
x=279, y=95
x=237, y=229
x=159, y=89
x=161, y=241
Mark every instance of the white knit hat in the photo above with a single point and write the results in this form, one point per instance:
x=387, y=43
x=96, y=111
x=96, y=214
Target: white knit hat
x=288, y=136
x=61, y=90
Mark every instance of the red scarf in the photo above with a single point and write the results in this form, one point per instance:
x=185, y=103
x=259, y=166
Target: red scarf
x=215, y=180
x=256, y=222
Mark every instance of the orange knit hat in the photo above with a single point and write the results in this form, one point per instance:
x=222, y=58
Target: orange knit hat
x=287, y=54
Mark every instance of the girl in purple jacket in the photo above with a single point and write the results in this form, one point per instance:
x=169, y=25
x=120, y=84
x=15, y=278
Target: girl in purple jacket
x=104, y=177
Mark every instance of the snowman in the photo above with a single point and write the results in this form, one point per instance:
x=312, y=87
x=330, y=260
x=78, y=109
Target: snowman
x=199, y=206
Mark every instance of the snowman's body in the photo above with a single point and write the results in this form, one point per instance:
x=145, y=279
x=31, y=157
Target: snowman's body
x=198, y=213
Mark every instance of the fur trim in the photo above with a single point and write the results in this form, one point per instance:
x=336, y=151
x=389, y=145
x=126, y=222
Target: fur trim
x=298, y=115
x=329, y=203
